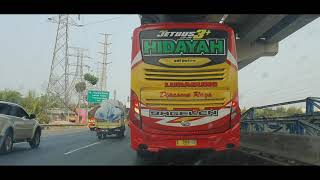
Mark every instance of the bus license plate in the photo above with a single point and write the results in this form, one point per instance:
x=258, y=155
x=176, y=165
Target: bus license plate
x=186, y=142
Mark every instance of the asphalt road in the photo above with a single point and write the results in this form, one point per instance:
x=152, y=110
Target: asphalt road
x=82, y=147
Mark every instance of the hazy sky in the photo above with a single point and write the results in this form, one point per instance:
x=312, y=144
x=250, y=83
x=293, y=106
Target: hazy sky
x=27, y=43
x=290, y=75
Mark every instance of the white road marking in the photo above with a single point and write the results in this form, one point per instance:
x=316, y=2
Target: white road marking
x=198, y=162
x=19, y=142
x=81, y=148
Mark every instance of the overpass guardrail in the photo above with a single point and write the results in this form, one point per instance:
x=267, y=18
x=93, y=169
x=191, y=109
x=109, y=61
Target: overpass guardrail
x=293, y=136
x=307, y=123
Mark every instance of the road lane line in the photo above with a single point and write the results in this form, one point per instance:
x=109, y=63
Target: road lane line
x=20, y=142
x=81, y=148
x=198, y=162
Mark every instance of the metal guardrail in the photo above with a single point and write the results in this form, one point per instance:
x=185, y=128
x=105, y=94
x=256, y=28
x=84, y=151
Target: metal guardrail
x=47, y=126
x=289, y=126
x=303, y=124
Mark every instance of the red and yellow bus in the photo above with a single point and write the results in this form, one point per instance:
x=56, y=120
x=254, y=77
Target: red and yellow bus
x=184, y=88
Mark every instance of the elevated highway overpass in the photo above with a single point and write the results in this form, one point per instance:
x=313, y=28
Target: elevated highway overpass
x=258, y=35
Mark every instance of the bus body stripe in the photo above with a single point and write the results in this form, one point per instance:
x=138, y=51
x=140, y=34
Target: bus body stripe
x=232, y=59
x=136, y=59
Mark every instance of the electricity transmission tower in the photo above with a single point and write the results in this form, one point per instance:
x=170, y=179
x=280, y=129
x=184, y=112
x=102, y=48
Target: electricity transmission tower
x=59, y=85
x=78, y=74
x=103, y=76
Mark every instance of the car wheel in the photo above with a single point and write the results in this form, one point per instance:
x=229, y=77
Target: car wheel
x=99, y=136
x=7, y=144
x=121, y=134
x=35, y=142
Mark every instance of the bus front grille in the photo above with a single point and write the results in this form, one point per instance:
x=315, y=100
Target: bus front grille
x=185, y=75
x=185, y=103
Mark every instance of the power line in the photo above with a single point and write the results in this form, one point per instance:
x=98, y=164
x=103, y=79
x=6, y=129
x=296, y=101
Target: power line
x=97, y=22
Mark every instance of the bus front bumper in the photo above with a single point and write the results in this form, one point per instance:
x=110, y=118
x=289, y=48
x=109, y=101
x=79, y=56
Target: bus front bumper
x=155, y=142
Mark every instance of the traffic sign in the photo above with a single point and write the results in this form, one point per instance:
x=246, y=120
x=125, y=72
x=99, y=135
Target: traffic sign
x=97, y=96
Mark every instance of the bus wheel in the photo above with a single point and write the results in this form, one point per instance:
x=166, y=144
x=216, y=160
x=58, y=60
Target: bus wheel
x=145, y=155
x=140, y=154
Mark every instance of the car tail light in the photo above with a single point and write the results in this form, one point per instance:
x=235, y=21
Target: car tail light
x=235, y=111
x=135, y=110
